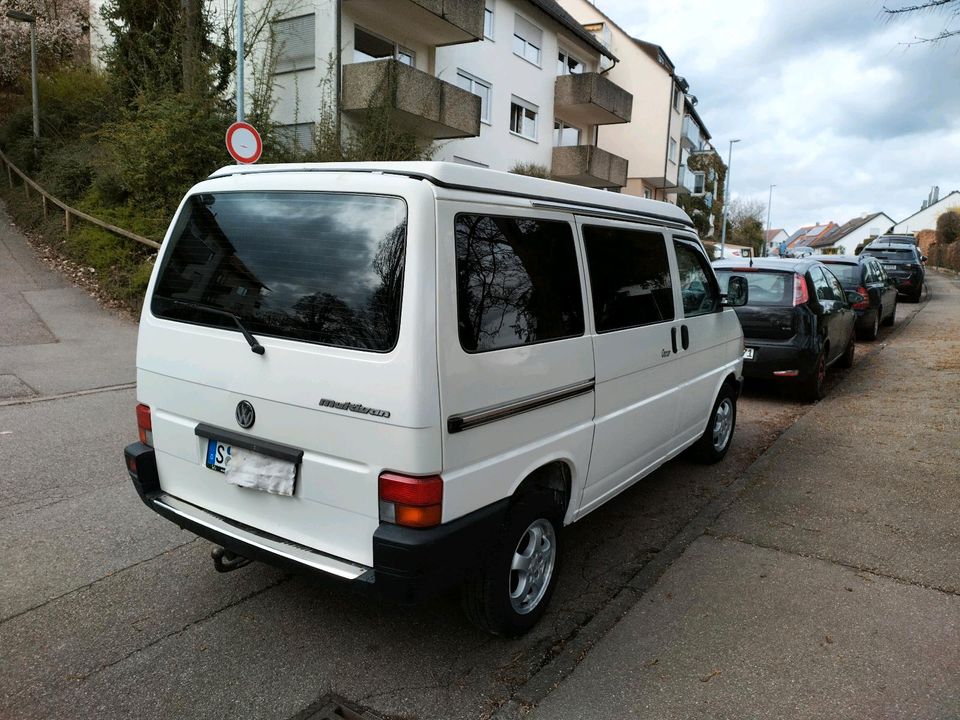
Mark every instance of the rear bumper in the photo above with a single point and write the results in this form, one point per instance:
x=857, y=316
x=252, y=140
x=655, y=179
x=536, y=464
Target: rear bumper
x=409, y=565
x=771, y=358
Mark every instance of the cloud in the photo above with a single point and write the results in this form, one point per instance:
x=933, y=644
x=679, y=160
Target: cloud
x=831, y=102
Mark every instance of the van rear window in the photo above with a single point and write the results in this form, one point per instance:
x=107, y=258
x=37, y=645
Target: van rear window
x=323, y=268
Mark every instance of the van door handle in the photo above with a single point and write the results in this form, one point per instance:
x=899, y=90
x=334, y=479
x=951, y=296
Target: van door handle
x=684, y=337
x=673, y=338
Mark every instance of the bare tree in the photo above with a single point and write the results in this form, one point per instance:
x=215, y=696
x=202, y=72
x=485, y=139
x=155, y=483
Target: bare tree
x=949, y=8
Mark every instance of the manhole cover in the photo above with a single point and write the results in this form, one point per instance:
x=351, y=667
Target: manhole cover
x=334, y=707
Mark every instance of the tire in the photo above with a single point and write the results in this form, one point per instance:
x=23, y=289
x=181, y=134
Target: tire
x=888, y=322
x=715, y=441
x=871, y=332
x=846, y=360
x=812, y=387
x=530, y=538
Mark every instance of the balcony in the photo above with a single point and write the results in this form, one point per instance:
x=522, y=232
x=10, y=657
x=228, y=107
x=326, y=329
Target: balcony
x=418, y=102
x=432, y=22
x=690, y=138
x=584, y=99
x=590, y=166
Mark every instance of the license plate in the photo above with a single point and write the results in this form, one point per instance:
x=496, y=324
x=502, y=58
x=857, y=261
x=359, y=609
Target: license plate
x=218, y=455
x=891, y=267
x=748, y=353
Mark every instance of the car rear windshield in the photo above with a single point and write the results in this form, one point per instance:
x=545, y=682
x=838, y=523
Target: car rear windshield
x=766, y=287
x=848, y=275
x=324, y=268
x=903, y=255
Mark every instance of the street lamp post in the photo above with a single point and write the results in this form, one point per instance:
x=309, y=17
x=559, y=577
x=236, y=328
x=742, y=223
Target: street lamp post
x=726, y=198
x=239, y=60
x=766, y=238
x=26, y=17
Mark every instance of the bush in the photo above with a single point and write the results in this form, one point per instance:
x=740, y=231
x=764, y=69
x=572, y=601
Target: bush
x=75, y=102
x=161, y=147
x=531, y=169
x=948, y=227
x=69, y=172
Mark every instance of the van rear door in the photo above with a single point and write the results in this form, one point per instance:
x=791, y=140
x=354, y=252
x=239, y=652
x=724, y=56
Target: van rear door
x=320, y=277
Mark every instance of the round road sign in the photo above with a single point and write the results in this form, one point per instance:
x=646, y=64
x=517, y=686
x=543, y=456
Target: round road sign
x=243, y=143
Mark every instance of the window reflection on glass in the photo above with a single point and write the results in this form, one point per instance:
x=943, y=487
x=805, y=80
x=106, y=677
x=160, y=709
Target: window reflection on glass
x=568, y=65
x=629, y=277
x=523, y=120
x=517, y=282
x=700, y=294
x=320, y=267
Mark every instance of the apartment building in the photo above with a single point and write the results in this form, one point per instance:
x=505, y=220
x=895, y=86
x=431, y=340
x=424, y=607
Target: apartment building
x=367, y=55
x=653, y=142
x=545, y=95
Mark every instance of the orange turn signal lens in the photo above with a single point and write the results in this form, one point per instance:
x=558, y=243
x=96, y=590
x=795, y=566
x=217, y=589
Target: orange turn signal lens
x=412, y=516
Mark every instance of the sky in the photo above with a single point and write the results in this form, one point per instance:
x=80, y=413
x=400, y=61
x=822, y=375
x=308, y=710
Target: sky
x=829, y=98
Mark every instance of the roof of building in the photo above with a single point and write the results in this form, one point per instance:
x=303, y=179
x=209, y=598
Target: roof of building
x=809, y=234
x=553, y=9
x=773, y=232
x=941, y=200
x=841, y=231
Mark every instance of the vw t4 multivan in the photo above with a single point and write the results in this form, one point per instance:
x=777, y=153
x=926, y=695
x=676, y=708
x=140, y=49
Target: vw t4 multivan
x=413, y=375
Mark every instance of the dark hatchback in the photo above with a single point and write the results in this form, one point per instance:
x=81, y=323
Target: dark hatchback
x=902, y=262
x=865, y=275
x=797, y=322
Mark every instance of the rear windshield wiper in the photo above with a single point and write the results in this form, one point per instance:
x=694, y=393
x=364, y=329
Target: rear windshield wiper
x=248, y=336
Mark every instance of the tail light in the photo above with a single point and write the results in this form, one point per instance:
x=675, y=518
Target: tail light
x=145, y=424
x=411, y=501
x=866, y=299
x=800, y=294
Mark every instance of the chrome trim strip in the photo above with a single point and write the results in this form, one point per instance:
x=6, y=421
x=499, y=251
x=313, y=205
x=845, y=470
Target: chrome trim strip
x=474, y=418
x=287, y=550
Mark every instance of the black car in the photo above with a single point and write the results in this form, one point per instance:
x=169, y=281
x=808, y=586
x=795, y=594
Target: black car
x=903, y=262
x=865, y=274
x=797, y=322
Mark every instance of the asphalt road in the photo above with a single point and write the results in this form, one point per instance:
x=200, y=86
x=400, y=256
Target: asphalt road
x=107, y=610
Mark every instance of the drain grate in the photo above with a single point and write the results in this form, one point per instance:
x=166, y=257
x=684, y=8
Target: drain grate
x=334, y=707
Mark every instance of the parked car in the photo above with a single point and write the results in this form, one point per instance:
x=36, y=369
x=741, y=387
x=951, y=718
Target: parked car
x=864, y=274
x=905, y=238
x=902, y=262
x=413, y=375
x=797, y=322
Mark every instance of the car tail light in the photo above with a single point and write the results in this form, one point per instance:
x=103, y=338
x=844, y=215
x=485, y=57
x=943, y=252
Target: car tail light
x=145, y=424
x=866, y=299
x=411, y=501
x=800, y=294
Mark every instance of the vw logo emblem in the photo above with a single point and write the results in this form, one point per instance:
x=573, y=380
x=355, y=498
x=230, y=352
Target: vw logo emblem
x=245, y=414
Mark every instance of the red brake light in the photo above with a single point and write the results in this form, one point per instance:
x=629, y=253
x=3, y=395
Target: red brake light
x=145, y=424
x=866, y=299
x=800, y=294
x=411, y=501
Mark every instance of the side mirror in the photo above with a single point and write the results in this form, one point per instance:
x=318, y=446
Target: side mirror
x=923, y=258
x=738, y=292
x=853, y=297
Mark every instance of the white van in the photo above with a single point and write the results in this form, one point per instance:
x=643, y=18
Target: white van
x=413, y=375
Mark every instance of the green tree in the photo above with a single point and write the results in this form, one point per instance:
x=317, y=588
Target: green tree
x=745, y=218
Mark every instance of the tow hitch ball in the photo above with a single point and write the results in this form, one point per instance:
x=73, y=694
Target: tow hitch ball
x=226, y=561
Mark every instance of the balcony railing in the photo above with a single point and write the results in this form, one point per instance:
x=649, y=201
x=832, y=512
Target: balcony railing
x=432, y=22
x=690, y=137
x=583, y=99
x=589, y=165
x=418, y=101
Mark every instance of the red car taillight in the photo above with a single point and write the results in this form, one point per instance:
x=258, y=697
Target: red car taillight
x=866, y=300
x=800, y=294
x=411, y=501
x=145, y=424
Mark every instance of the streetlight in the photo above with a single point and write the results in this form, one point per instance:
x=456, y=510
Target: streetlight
x=726, y=198
x=766, y=238
x=32, y=19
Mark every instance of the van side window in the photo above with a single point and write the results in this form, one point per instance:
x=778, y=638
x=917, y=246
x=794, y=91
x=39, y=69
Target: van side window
x=698, y=287
x=629, y=277
x=517, y=282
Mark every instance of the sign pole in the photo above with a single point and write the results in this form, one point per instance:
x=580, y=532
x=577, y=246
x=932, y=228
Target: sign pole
x=239, y=60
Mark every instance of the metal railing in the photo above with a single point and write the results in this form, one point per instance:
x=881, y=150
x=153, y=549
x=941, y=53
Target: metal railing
x=69, y=213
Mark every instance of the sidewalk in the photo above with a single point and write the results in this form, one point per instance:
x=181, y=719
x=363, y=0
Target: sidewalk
x=831, y=587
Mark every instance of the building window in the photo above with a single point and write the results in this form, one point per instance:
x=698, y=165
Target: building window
x=523, y=118
x=298, y=136
x=672, y=152
x=676, y=98
x=296, y=43
x=367, y=46
x=647, y=194
x=565, y=135
x=488, y=21
x=567, y=64
x=479, y=87
x=527, y=40
x=698, y=183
